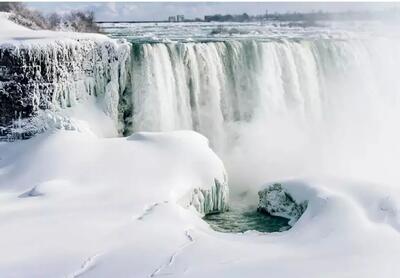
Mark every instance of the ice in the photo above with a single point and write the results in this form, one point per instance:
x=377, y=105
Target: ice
x=211, y=200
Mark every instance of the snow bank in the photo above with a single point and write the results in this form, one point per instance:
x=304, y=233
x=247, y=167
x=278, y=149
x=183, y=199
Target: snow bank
x=15, y=34
x=77, y=189
x=74, y=204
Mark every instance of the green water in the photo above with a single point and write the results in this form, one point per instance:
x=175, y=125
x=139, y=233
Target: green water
x=239, y=220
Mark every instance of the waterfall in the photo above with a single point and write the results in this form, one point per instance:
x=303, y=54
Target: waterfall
x=277, y=103
x=204, y=86
x=289, y=105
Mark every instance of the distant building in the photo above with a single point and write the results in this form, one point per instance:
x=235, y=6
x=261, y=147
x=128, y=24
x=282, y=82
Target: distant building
x=176, y=18
x=208, y=18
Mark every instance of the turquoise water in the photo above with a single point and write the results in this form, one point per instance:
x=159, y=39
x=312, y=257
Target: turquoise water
x=239, y=220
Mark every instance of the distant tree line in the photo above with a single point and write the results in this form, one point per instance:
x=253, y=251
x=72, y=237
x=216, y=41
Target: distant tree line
x=77, y=21
x=386, y=14
x=228, y=17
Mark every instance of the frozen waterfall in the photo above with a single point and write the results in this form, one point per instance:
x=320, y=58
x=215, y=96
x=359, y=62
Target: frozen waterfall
x=210, y=86
x=297, y=103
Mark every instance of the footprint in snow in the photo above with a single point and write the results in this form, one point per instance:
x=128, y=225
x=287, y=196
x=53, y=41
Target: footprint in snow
x=33, y=192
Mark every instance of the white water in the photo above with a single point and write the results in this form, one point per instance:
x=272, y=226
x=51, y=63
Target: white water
x=279, y=108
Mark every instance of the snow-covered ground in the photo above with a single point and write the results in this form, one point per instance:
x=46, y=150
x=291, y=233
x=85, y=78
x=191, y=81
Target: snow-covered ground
x=76, y=204
x=68, y=196
x=12, y=33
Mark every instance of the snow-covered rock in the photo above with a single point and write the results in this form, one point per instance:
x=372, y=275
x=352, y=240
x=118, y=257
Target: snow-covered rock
x=274, y=200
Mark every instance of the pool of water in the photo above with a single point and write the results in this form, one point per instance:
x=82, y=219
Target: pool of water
x=239, y=220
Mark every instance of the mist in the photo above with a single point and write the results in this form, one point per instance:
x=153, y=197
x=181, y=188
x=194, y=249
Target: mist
x=337, y=117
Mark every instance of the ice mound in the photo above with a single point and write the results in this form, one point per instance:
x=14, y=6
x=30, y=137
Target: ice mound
x=206, y=198
x=171, y=166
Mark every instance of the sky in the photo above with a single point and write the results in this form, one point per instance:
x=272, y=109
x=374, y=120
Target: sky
x=120, y=11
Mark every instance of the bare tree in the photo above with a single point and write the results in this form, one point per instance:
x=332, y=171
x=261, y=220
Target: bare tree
x=82, y=21
x=54, y=21
x=79, y=21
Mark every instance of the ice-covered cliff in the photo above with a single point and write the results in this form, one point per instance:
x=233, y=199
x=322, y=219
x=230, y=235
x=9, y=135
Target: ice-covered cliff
x=42, y=70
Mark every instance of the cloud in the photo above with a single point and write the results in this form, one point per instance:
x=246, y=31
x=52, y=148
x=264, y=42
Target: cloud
x=161, y=10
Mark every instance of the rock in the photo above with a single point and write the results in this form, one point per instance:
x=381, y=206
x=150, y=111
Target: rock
x=273, y=200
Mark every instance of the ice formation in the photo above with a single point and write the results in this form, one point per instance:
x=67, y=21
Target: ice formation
x=211, y=200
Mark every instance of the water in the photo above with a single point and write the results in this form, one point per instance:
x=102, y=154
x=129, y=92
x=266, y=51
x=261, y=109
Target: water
x=239, y=220
x=217, y=31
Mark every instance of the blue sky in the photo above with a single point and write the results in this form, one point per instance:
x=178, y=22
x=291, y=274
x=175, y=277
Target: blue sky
x=161, y=10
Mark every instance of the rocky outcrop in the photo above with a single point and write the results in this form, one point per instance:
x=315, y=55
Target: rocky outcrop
x=274, y=200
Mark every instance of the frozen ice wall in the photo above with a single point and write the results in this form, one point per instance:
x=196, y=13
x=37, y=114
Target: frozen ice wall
x=56, y=74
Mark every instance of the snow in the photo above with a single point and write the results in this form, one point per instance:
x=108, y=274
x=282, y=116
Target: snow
x=14, y=34
x=74, y=204
x=66, y=194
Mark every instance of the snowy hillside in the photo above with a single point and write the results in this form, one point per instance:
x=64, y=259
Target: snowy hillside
x=13, y=33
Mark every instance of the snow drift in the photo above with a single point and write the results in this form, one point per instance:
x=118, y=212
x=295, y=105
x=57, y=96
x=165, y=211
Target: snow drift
x=77, y=189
